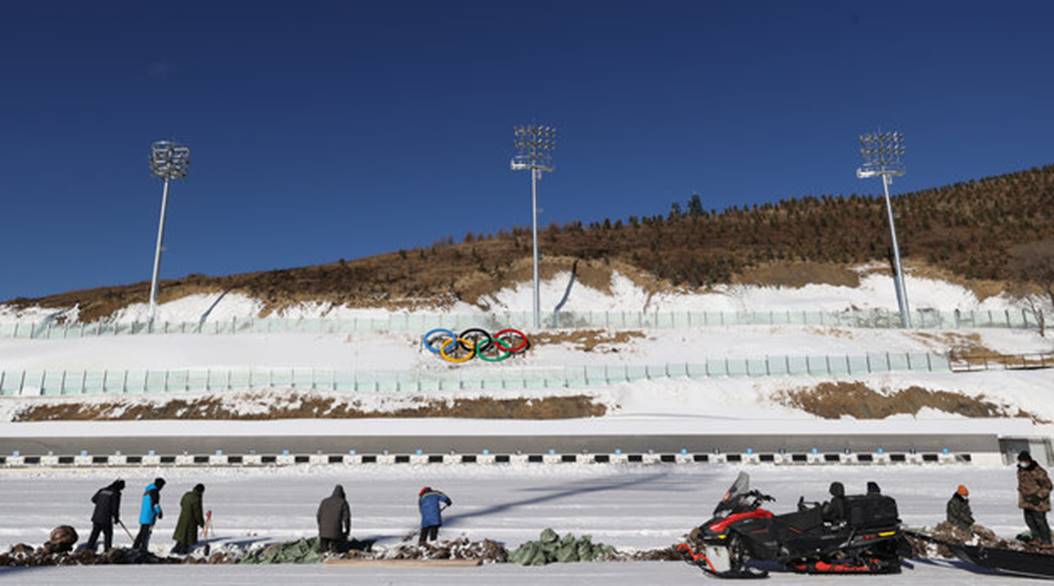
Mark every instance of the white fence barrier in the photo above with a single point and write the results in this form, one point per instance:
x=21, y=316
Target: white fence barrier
x=418, y=323
x=153, y=382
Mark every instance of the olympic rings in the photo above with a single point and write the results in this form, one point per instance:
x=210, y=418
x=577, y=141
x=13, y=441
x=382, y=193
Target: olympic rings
x=475, y=342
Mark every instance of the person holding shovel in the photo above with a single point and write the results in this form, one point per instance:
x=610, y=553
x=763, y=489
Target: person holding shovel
x=428, y=501
x=107, y=511
x=190, y=518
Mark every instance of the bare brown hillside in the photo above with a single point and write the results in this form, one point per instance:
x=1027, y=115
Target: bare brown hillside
x=965, y=230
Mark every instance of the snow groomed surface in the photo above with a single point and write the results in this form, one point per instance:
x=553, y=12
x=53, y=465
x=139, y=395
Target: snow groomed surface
x=626, y=506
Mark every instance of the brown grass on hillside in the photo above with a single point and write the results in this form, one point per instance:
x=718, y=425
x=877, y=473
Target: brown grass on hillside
x=834, y=400
x=967, y=229
x=799, y=274
x=310, y=406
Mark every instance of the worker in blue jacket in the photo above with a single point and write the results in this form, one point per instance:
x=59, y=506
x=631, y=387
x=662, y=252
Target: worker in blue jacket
x=149, y=513
x=428, y=500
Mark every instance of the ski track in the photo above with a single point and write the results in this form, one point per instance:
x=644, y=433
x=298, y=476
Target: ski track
x=627, y=506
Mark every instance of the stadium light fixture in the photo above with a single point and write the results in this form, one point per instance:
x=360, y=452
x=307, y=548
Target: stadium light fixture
x=534, y=152
x=883, y=153
x=169, y=161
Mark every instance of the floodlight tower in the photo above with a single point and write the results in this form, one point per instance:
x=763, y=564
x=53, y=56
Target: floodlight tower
x=169, y=161
x=534, y=146
x=882, y=153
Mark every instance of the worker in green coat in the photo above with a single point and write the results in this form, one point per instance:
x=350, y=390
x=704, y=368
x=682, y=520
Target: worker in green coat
x=190, y=519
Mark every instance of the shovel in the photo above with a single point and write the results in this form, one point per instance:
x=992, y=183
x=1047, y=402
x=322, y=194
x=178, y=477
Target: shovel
x=205, y=532
x=126, y=531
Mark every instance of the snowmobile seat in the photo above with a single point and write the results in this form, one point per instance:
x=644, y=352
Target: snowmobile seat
x=804, y=521
x=870, y=511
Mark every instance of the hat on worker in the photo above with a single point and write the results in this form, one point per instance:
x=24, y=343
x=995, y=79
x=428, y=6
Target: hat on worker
x=962, y=490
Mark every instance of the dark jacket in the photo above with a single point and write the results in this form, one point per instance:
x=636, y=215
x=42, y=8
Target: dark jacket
x=334, y=516
x=833, y=511
x=428, y=503
x=190, y=518
x=1033, y=488
x=959, y=513
x=108, y=504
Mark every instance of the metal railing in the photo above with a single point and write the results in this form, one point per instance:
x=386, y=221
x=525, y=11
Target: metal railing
x=150, y=382
x=418, y=323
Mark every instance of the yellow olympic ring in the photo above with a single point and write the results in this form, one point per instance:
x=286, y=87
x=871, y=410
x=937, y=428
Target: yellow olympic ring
x=463, y=342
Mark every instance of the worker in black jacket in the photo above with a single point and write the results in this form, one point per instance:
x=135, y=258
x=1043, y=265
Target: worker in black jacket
x=107, y=512
x=834, y=510
x=334, y=521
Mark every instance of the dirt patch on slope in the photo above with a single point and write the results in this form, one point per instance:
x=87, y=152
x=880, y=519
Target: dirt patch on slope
x=856, y=399
x=799, y=274
x=309, y=406
x=968, y=349
x=588, y=340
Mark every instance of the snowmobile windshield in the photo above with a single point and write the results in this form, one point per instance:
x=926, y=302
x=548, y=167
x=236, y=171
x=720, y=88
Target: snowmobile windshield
x=734, y=496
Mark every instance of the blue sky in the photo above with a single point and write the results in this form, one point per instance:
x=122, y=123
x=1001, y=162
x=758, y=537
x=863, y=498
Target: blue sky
x=326, y=130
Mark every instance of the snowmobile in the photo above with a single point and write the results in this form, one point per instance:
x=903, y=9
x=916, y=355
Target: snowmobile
x=863, y=537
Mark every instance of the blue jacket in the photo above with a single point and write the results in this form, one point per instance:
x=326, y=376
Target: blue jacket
x=429, y=505
x=150, y=510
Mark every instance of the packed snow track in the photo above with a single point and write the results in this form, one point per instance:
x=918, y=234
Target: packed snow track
x=626, y=506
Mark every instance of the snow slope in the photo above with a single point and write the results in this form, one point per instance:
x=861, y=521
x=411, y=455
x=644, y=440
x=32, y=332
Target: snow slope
x=403, y=351
x=875, y=292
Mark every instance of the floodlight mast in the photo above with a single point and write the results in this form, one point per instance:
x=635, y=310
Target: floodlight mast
x=882, y=153
x=534, y=145
x=169, y=161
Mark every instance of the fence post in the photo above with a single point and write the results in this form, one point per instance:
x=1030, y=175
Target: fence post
x=146, y=381
x=768, y=369
x=22, y=383
x=787, y=363
x=808, y=365
x=62, y=383
x=848, y=365
x=1007, y=318
x=907, y=355
x=333, y=378
x=228, y=379
x=84, y=380
x=889, y=364
x=827, y=361
x=929, y=362
x=208, y=379
x=105, y=375
x=3, y=375
x=867, y=360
